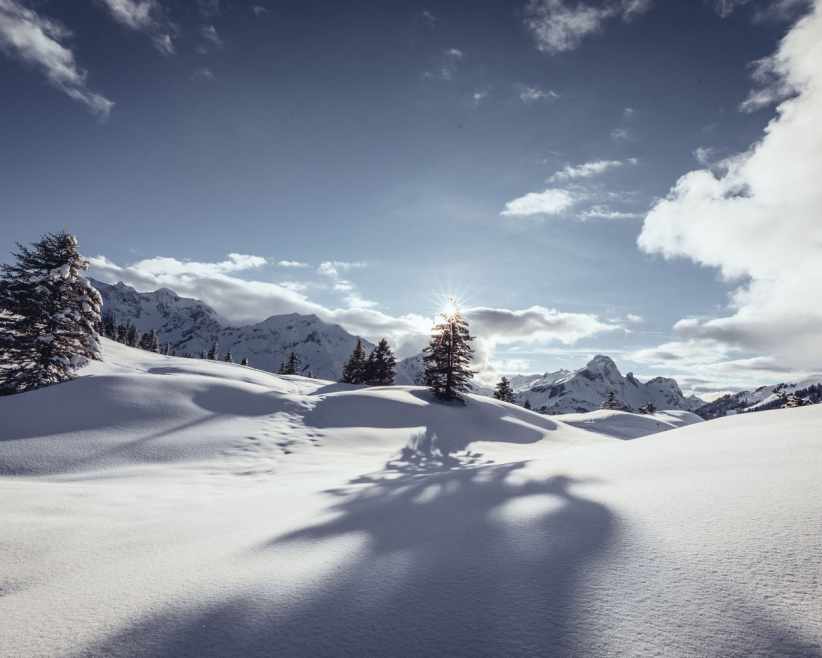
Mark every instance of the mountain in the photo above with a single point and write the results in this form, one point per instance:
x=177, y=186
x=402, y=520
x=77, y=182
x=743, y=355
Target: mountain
x=587, y=388
x=762, y=398
x=191, y=327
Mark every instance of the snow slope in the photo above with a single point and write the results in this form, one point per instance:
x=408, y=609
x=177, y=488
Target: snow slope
x=159, y=506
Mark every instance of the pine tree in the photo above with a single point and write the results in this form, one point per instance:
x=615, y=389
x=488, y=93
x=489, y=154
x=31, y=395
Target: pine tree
x=649, y=408
x=244, y=362
x=291, y=365
x=49, y=314
x=355, y=371
x=132, y=336
x=213, y=353
x=612, y=402
x=122, y=333
x=504, y=392
x=448, y=357
x=109, y=326
x=227, y=358
x=202, y=354
x=527, y=404
x=147, y=341
x=379, y=368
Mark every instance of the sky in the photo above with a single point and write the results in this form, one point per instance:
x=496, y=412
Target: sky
x=632, y=177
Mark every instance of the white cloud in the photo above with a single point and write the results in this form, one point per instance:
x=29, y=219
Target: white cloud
x=203, y=73
x=704, y=155
x=479, y=96
x=758, y=221
x=39, y=42
x=291, y=263
x=587, y=169
x=258, y=10
x=620, y=134
x=209, y=33
x=549, y=202
x=561, y=25
x=604, y=212
x=634, y=319
x=145, y=16
x=448, y=64
x=628, y=113
x=534, y=94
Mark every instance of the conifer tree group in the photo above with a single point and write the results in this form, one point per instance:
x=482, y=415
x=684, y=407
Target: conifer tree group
x=374, y=369
x=448, y=358
x=504, y=391
x=611, y=402
x=49, y=314
x=291, y=366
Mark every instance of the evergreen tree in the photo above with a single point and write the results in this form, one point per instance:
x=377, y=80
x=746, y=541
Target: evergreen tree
x=202, y=354
x=612, y=402
x=109, y=326
x=49, y=314
x=448, y=357
x=227, y=358
x=147, y=341
x=132, y=336
x=649, y=408
x=244, y=362
x=213, y=353
x=356, y=370
x=379, y=368
x=291, y=365
x=504, y=392
x=122, y=333
x=527, y=404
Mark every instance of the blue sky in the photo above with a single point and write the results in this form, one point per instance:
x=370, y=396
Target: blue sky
x=398, y=152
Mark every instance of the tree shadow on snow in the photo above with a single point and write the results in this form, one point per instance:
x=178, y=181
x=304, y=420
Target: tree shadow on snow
x=467, y=562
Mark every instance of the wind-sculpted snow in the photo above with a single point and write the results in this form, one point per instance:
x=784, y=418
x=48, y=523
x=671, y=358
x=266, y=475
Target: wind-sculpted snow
x=170, y=507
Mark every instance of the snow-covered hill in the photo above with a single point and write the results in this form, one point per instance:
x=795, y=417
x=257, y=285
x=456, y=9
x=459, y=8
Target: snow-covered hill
x=160, y=506
x=587, y=388
x=191, y=326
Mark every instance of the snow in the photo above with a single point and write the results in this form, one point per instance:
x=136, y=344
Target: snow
x=161, y=506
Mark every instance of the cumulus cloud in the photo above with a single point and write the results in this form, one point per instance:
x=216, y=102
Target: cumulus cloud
x=550, y=202
x=530, y=95
x=605, y=212
x=561, y=25
x=758, y=220
x=145, y=16
x=40, y=43
x=587, y=169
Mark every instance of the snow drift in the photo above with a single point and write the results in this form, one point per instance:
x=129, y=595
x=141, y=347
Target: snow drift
x=158, y=506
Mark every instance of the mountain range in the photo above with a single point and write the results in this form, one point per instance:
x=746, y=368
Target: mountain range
x=192, y=327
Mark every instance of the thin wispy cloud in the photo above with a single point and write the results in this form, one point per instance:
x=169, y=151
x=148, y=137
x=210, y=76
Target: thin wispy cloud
x=604, y=212
x=258, y=10
x=292, y=264
x=548, y=202
x=587, y=169
x=534, y=94
x=209, y=33
x=40, y=42
x=560, y=25
x=447, y=65
x=147, y=16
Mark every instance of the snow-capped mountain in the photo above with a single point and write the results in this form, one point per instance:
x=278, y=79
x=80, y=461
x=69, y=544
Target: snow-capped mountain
x=762, y=398
x=587, y=388
x=191, y=327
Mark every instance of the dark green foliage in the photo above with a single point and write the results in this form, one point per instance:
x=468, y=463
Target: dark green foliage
x=448, y=358
x=356, y=370
x=244, y=362
x=291, y=365
x=379, y=368
x=49, y=314
x=213, y=353
x=503, y=391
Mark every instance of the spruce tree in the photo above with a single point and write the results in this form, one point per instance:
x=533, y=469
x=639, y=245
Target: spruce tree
x=611, y=402
x=447, y=358
x=122, y=333
x=379, y=368
x=291, y=365
x=213, y=353
x=227, y=358
x=49, y=314
x=355, y=371
x=109, y=326
x=244, y=362
x=504, y=392
x=132, y=336
x=147, y=341
x=527, y=405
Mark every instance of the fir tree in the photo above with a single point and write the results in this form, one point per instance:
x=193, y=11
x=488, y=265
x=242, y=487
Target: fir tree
x=244, y=362
x=213, y=353
x=122, y=333
x=355, y=371
x=227, y=358
x=147, y=341
x=527, y=404
x=291, y=365
x=49, y=314
x=504, y=392
x=132, y=336
x=612, y=402
x=448, y=357
x=649, y=408
x=202, y=354
x=379, y=368
x=109, y=326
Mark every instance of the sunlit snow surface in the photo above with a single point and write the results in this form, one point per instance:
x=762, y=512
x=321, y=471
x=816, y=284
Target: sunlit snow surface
x=160, y=506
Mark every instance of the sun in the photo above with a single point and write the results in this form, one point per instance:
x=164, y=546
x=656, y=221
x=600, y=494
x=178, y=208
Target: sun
x=450, y=305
